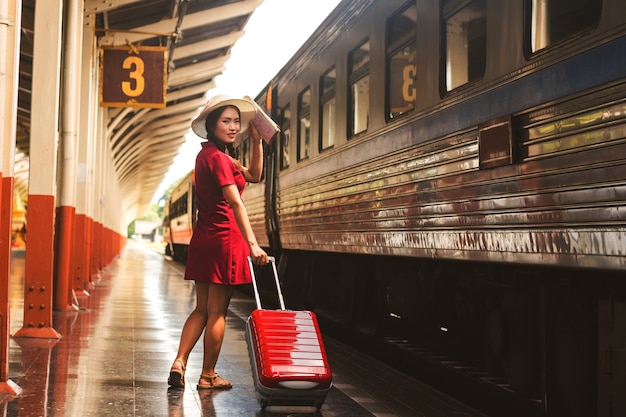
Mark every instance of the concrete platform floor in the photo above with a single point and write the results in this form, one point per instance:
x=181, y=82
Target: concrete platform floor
x=114, y=356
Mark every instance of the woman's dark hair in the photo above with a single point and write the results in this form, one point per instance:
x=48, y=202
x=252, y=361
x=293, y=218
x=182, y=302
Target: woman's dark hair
x=211, y=121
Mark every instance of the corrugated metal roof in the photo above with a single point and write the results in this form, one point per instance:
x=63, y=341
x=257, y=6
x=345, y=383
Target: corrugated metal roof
x=198, y=34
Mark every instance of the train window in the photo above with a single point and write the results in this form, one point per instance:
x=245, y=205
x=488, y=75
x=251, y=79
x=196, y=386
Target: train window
x=285, y=128
x=401, y=67
x=359, y=81
x=304, y=123
x=555, y=20
x=180, y=206
x=328, y=105
x=465, y=39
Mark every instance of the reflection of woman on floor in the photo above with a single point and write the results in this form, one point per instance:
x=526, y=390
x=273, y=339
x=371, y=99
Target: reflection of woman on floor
x=175, y=403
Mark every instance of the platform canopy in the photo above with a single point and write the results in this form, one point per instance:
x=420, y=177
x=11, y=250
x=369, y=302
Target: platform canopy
x=198, y=36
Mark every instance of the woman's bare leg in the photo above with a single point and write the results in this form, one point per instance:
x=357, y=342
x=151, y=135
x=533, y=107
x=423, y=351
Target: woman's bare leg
x=217, y=307
x=194, y=325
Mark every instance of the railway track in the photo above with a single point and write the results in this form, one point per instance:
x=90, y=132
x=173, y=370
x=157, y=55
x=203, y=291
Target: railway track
x=444, y=370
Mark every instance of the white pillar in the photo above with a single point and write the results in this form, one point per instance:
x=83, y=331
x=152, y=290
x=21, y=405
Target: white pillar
x=39, y=263
x=71, y=96
x=45, y=97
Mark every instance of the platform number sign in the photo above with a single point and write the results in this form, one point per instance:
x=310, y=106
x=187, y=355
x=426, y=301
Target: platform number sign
x=133, y=77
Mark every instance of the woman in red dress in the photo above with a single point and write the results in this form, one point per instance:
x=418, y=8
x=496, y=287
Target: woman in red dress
x=222, y=238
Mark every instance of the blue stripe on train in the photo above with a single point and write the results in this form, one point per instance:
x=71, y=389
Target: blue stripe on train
x=600, y=65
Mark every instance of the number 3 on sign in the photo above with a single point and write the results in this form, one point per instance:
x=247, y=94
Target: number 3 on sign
x=133, y=80
x=136, y=65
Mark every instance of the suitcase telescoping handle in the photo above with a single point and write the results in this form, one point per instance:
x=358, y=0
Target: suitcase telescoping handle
x=256, y=288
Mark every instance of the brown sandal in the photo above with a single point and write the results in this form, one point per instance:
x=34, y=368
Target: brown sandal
x=215, y=382
x=177, y=376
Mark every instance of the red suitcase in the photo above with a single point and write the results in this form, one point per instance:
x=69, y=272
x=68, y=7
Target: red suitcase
x=287, y=355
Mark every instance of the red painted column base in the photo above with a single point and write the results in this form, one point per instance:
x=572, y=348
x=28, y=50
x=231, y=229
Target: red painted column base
x=39, y=332
x=39, y=267
x=64, y=238
x=6, y=208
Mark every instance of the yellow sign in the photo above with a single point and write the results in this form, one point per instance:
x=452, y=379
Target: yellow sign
x=133, y=76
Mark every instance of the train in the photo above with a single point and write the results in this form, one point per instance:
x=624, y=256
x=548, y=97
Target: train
x=454, y=172
x=179, y=218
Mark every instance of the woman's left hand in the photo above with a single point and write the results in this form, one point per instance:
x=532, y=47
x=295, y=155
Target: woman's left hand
x=254, y=134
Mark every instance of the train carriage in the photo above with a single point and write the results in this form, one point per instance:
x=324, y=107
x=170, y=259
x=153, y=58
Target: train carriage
x=453, y=172
x=180, y=218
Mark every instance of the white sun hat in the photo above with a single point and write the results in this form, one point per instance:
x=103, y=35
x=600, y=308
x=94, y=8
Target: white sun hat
x=246, y=109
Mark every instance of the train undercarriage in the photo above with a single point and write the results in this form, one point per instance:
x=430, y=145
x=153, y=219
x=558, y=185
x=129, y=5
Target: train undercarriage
x=542, y=334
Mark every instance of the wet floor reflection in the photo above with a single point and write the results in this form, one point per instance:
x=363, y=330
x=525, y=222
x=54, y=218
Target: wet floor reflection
x=16, y=290
x=113, y=357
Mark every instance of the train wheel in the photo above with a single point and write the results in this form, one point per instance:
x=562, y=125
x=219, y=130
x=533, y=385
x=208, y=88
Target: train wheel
x=371, y=310
x=572, y=358
x=297, y=281
x=520, y=344
x=345, y=290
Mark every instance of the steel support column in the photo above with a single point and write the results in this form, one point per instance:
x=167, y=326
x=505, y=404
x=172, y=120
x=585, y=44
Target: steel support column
x=66, y=211
x=10, y=22
x=81, y=254
x=39, y=269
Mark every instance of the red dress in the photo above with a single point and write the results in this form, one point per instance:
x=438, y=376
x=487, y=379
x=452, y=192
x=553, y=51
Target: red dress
x=217, y=251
